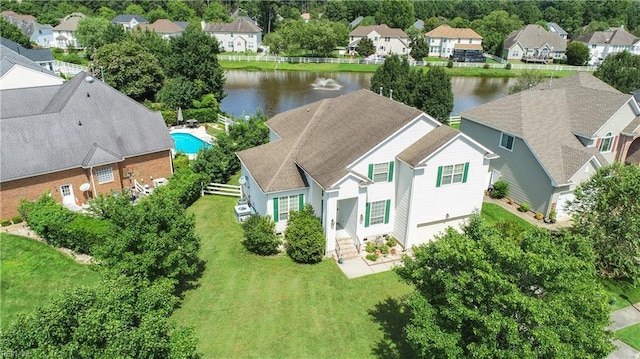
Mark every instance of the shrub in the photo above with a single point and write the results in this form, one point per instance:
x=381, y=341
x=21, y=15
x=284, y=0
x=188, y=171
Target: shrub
x=510, y=200
x=184, y=186
x=500, y=189
x=450, y=64
x=48, y=219
x=305, y=237
x=508, y=66
x=392, y=241
x=5, y=222
x=539, y=216
x=552, y=215
x=384, y=249
x=260, y=235
x=371, y=247
x=170, y=117
x=372, y=257
x=524, y=207
x=486, y=66
x=17, y=219
x=181, y=162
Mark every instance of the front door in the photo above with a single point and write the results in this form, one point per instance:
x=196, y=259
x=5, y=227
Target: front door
x=67, y=194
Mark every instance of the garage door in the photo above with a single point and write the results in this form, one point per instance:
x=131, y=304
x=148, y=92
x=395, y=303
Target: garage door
x=563, y=201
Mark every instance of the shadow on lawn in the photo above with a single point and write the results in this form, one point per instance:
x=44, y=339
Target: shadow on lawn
x=392, y=316
x=190, y=282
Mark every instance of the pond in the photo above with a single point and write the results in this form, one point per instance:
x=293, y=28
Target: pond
x=274, y=92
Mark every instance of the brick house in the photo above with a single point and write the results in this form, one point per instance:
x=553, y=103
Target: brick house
x=77, y=140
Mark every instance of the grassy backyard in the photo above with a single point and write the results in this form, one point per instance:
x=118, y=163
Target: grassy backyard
x=630, y=335
x=493, y=213
x=33, y=273
x=248, y=306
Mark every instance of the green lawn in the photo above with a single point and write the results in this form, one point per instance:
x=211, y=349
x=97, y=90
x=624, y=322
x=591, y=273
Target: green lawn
x=630, y=335
x=249, y=306
x=623, y=292
x=493, y=213
x=33, y=273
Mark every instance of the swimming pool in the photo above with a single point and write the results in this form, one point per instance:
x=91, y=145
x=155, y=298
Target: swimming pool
x=188, y=144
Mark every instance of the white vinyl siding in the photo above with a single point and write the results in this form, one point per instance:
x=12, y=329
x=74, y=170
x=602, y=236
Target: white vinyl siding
x=105, y=175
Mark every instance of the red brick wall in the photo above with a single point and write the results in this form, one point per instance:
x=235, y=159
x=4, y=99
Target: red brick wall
x=146, y=167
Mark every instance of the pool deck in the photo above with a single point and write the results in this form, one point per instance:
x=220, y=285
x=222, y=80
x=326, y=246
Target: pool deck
x=198, y=132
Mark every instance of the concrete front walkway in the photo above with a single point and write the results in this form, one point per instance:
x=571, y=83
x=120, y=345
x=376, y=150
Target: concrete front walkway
x=623, y=318
x=357, y=267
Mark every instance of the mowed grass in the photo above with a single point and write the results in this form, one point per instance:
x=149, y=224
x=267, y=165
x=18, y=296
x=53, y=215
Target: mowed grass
x=630, y=335
x=33, y=273
x=250, y=306
x=623, y=293
x=493, y=213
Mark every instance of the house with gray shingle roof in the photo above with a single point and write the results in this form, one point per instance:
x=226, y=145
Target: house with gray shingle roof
x=444, y=40
x=18, y=71
x=553, y=27
x=64, y=32
x=533, y=43
x=368, y=166
x=611, y=41
x=164, y=27
x=555, y=136
x=386, y=40
x=241, y=35
x=129, y=21
x=77, y=140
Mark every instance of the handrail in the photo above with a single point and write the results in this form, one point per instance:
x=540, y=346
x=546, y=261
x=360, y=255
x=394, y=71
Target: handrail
x=338, y=248
x=357, y=242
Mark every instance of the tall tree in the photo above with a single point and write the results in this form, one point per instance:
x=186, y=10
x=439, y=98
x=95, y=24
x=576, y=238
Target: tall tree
x=393, y=79
x=365, y=47
x=179, y=11
x=157, y=13
x=577, y=54
x=396, y=14
x=607, y=211
x=216, y=12
x=11, y=32
x=130, y=68
x=494, y=28
x=337, y=11
x=95, y=32
x=434, y=95
x=621, y=70
x=526, y=80
x=194, y=56
x=481, y=295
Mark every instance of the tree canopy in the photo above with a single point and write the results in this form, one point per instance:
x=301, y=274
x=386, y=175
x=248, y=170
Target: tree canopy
x=577, y=54
x=479, y=294
x=95, y=32
x=11, y=32
x=396, y=14
x=606, y=210
x=621, y=70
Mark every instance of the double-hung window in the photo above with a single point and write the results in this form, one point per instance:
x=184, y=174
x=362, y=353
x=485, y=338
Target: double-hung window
x=452, y=174
x=282, y=206
x=381, y=172
x=105, y=175
x=506, y=141
x=377, y=213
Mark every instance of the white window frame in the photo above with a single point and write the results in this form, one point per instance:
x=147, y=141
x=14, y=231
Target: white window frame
x=452, y=174
x=104, y=175
x=513, y=140
x=379, y=170
x=606, y=143
x=287, y=204
x=377, y=212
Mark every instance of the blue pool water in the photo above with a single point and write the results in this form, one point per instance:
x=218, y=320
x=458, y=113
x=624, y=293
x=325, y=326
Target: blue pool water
x=188, y=144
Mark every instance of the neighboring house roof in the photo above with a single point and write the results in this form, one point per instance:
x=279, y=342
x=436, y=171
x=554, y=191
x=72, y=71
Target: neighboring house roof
x=468, y=46
x=240, y=25
x=419, y=24
x=382, y=29
x=21, y=17
x=427, y=145
x=446, y=31
x=164, y=26
x=35, y=55
x=548, y=117
x=81, y=123
x=182, y=24
x=612, y=36
x=323, y=138
x=122, y=19
x=305, y=16
x=70, y=22
x=556, y=28
x=356, y=22
x=30, y=28
x=9, y=58
x=534, y=36
x=636, y=95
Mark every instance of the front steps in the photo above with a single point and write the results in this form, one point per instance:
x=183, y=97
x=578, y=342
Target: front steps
x=346, y=248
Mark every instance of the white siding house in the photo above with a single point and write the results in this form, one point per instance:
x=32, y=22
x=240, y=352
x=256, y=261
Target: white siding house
x=444, y=39
x=386, y=40
x=369, y=166
x=242, y=35
x=604, y=43
x=64, y=33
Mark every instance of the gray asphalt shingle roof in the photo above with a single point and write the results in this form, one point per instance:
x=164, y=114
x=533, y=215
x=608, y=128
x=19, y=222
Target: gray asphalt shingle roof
x=427, y=145
x=239, y=25
x=534, y=36
x=548, y=117
x=323, y=138
x=125, y=18
x=612, y=36
x=77, y=124
x=36, y=55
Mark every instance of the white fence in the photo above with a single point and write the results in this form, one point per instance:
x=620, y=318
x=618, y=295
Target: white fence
x=379, y=61
x=67, y=68
x=222, y=189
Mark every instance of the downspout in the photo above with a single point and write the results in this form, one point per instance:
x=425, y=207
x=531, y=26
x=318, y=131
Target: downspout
x=93, y=182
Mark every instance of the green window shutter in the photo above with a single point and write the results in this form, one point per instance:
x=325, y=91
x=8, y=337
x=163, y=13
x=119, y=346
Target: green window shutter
x=301, y=201
x=466, y=172
x=371, y=171
x=386, y=211
x=366, y=215
x=439, y=176
x=391, y=171
x=276, y=214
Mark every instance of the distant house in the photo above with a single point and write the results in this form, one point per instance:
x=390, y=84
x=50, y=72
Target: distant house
x=18, y=71
x=77, y=140
x=386, y=40
x=41, y=35
x=419, y=24
x=555, y=136
x=553, y=27
x=164, y=27
x=42, y=57
x=604, y=43
x=534, y=44
x=353, y=24
x=445, y=41
x=64, y=33
x=16, y=18
x=129, y=21
x=368, y=166
x=241, y=35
